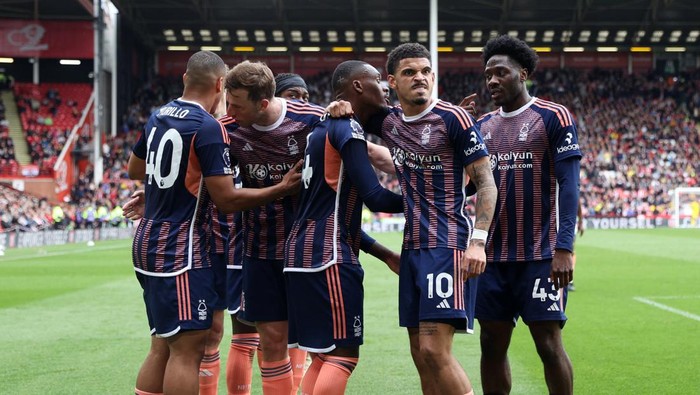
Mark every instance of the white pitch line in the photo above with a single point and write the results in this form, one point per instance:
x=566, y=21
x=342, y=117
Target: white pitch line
x=39, y=256
x=675, y=297
x=667, y=308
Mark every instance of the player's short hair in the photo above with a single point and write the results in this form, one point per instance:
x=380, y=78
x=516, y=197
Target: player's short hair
x=343, y=73
x=515, y=49
x=405, y=51
x=284, y=81
x=204, y=68
x=254, y=77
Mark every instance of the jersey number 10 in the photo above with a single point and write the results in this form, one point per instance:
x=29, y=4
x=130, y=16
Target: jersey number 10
x=442, y=285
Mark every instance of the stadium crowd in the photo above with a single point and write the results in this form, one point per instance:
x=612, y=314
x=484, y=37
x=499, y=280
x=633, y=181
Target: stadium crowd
x=8, y=162
x=639, y=133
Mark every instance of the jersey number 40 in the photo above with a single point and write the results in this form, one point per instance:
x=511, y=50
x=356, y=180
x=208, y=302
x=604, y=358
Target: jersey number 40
x=155, y=158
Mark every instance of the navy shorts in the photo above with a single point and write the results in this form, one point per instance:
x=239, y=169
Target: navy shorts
x=509, y=290
x=430, y=289
x=218, y=264
x=179, y=303
x=325, y=308
x=234, y=288
x=264, y=296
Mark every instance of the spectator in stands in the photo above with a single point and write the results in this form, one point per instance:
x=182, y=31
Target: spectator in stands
x=58, y=217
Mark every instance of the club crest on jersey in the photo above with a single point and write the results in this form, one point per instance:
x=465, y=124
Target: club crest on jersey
x=425, y=135
x=357, y=326
x=292, y=145
x=524, y=130
x=202, y=310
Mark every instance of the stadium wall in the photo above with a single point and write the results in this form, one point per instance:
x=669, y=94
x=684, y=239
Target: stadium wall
x=172, y=63
x=396, y=224
x=18, y=239
x=41, y=187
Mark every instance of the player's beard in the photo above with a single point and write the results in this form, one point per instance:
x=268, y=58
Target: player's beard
x=419, y=101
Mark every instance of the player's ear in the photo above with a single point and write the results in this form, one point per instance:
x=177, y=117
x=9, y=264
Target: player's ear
x=264, y=103
x=220, y=85
x=391, y=81
x=357, y=86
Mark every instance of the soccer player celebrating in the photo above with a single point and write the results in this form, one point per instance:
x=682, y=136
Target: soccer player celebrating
x=291, y=86
x=435, y=148
x=210, y=367
x=324, y=277
x=183, y=159
x=535, y=161
x=267, y=138
x=244, y=339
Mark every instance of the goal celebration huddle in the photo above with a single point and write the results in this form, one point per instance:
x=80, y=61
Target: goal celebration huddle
x=252, y=206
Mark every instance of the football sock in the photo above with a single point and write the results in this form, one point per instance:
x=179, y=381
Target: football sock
x=276, y=377
x=334, y=375
x=309, y=380
x=209, y=374
x=239, y=368
x=298, y=359
x=139, y=392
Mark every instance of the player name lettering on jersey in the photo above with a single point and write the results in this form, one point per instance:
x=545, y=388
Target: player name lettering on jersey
x=176, y=112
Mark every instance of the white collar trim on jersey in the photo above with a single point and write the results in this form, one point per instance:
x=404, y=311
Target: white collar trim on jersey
x=422, y=114
x=279, y=120
x=191, y=102
x=518, y=111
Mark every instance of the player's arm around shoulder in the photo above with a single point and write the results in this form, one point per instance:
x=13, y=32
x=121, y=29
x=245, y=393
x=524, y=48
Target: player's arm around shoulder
x=229, y=199
x=474, y=260
x=380, y=156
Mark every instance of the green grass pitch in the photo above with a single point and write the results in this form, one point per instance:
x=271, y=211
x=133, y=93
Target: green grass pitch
x=72, y=321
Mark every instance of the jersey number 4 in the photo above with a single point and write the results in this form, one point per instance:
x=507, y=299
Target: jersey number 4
x=307, y=172
x=155, y=158
x=541, y=293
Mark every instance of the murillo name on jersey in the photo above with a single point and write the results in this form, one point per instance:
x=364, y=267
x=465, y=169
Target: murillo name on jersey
x=181, y=144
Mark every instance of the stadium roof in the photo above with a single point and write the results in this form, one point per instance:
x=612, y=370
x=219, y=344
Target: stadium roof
x=360, y=24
